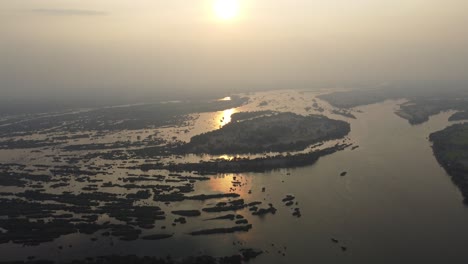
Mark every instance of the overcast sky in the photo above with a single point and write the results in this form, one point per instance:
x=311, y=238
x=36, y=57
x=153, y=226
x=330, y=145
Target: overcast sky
x=129, y=47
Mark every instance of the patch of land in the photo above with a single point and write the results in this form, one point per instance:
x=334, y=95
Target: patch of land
x=131, y=117
x=450, y=147
x=247, y=164
x=273, y=132
x=354, y=98
x=418, y=111
x=459, y=116
x=222, y=230
x=343, y=112
x=242, y=116
x=37, y=213
x=422, y=103
x=23, y=144
x=244, y=255
x=84, y=175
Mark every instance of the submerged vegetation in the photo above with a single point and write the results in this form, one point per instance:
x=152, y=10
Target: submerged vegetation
x=112, y=174
x=129, y=117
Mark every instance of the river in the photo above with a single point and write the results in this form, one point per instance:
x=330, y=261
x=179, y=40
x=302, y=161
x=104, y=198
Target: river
x=395, y=205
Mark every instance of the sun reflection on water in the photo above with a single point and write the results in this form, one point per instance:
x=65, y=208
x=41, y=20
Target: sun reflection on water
x=230, y=183
x=227, y=98
x=224, y=117
x=227, y=157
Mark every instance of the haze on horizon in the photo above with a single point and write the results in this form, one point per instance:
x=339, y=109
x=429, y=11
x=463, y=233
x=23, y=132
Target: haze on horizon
x=85, y=48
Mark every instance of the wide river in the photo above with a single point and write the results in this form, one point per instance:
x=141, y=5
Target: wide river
x=395, y=205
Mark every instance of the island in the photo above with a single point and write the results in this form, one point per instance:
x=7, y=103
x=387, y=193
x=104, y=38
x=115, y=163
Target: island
x=239, y=165
x=418, y=111
x=267, y=132
x=421, y=104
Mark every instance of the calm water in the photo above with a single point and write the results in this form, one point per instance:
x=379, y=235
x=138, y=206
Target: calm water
x=395, y=205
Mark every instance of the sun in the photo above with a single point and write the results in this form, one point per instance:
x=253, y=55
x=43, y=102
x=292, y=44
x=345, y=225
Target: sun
x=226, y=9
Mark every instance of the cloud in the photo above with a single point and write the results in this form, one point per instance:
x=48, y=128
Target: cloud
x=69, y=12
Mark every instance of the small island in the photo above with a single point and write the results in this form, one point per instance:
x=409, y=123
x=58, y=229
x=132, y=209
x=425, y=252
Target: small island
x=239, y=165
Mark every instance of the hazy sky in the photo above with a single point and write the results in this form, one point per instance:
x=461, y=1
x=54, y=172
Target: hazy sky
x=82, y=47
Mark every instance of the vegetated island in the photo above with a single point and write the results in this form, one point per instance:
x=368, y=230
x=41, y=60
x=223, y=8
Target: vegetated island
x=354, y=98
x=418, y=111
x=421, y=105
x=267, y=132
x=450, y=148
x=255, y=132
x=105, y=119
x=239, y=165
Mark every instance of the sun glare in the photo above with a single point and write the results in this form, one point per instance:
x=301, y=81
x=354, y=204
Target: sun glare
x=226, y=9
x=224, y=117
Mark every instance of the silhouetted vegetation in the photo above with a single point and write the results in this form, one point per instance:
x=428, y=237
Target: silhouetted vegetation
x=451, y=150
x=459, y=116
x=247, y=165
x=278, y=132
x=129, y=117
